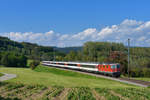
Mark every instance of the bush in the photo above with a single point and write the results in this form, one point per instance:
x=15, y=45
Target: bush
x=135, y=72
x=140, y=72
x=22, y=61
x=146, y=72
x=13, y=60
x=34, y=64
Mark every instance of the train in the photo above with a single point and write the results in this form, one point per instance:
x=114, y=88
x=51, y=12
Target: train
x=109, y=69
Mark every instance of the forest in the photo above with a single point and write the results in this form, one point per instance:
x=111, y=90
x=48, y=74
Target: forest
x=101, y=52
x=30, y=50
x=107, y=52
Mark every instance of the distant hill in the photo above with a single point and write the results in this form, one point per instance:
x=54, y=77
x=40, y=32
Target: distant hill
x=33, y=50
x=9, y=45
x=29, y=49
x=68, y=49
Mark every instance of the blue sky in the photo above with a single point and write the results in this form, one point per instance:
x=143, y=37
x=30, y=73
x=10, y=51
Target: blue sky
x=32, y=20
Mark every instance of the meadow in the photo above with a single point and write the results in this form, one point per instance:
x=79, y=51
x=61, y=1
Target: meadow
x=52, y=76
x=47, y=83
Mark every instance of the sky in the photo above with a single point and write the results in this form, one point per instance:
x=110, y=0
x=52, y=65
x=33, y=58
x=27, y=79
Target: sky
x=66, y=23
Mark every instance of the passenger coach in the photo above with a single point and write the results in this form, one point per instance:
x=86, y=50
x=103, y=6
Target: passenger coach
x=111, y=69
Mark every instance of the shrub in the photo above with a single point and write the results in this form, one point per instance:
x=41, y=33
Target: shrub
x=135, y=72
x=140, y=72
x=34, y=64
x=22, y=61
x=146, y=72
x=13, y=60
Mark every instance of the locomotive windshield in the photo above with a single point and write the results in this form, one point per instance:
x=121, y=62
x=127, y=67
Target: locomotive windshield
x=118, y=66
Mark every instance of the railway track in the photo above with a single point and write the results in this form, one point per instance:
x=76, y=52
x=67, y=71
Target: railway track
x=123, y=80
x=137, y=81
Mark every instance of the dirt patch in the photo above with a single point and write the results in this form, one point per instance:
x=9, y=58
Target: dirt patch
x=63, y=94
x=11, y=93
x=119, y=95
x=97, y=96
x=39, y=95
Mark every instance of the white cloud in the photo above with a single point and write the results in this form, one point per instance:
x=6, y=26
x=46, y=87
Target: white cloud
x=128, y=22
x=137, y=31
x=88, y=33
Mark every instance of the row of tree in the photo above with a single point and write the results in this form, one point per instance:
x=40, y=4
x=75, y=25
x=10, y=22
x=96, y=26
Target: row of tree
x=112, y=53
x=32, y=51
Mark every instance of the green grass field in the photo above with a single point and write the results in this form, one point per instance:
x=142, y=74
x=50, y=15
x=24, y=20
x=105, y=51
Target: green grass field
x=54, y=77
x=46, y=83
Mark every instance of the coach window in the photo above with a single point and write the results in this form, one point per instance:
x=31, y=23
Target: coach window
x=103, y=66
x=106, y=66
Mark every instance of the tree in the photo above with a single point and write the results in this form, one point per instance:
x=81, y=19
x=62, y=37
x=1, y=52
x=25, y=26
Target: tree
x=4, y=59
x=22, y=61
x=13, y=60
x=119, y=57
x=34, y=64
